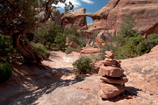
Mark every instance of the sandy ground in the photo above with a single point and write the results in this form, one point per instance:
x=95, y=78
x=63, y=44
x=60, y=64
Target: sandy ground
x=27, y=78
x=58, y=59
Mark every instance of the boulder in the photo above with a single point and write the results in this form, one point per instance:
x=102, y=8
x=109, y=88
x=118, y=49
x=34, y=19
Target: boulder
x=99, y=41
x=89, y=50
x=114, y=80
x=73, y=44
x=94, y=44
x=110, y=91
x=111, y=71
x=102, y=35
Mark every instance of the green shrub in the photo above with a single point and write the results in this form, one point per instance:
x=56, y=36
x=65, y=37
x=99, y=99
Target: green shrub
x=41, y=49
x=60, y=41
x=69, y=50
x=73, y=35
x=129, y=48
x=128, y=43
x=132, y=46
x=6, y=48
x=78, y=49
x=83, y=65
x=147, y=44
x=47, y=34
x=53, y=36
x=136, y=46
x=5, y=71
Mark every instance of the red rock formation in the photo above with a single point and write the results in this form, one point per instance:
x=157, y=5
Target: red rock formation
x=73, y=44
x=75, y=18
x=89, y=50
x=99, y=41
x=110, y=16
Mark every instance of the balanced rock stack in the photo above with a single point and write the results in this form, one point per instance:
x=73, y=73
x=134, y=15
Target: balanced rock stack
x=112, y=77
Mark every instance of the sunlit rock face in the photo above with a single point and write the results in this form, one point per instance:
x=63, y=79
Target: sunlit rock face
x=145, y=13
x=75, y=18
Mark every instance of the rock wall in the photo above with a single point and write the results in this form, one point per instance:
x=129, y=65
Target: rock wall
x=145, y=13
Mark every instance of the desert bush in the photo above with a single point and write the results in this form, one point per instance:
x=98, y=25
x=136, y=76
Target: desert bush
x=136, y=46
x=6, y=48
x=69, y=50
x=128, y=43
x=5, y=71
x=129, y=48
x=83, y=65
x=41, y=49
x=147, y=44
x=48, y=34
x=53, y=36
x=78, y=49
x=60, y=41
x=72, y=31
x=74, y=35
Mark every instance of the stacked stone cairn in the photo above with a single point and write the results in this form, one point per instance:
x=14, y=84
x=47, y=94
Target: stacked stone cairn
x=112, y=78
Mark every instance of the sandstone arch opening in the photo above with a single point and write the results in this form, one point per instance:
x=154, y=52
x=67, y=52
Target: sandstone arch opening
x=89, y=20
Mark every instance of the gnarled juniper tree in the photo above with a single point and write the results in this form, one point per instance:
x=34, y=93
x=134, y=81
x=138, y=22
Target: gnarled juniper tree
x=19, y=17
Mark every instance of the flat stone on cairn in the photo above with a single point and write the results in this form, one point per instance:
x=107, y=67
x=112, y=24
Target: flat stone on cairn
x=114, y=80
x=112, y=77
x=111, y=71
x=110, y=91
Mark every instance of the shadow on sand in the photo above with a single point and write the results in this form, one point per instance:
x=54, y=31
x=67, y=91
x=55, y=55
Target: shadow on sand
x=31, y=75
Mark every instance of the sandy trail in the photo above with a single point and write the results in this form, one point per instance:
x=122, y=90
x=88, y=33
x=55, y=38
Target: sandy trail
x=27, y=78
x=61, y=60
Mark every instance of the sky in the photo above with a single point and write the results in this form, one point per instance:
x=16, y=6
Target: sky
x=90, y=5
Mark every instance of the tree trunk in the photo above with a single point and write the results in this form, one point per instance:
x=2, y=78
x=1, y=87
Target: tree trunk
x=27, y=52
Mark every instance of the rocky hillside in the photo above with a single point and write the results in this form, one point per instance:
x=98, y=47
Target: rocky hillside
x=110, y=16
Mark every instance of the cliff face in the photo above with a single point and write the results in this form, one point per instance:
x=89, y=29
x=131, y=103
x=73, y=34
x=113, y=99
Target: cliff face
x=145, y=13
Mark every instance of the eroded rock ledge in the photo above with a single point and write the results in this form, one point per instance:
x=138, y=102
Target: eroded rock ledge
x=110, y=16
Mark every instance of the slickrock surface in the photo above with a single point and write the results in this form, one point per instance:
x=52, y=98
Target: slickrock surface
x=61, y=88
x=143, y=71
x=83, y=91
